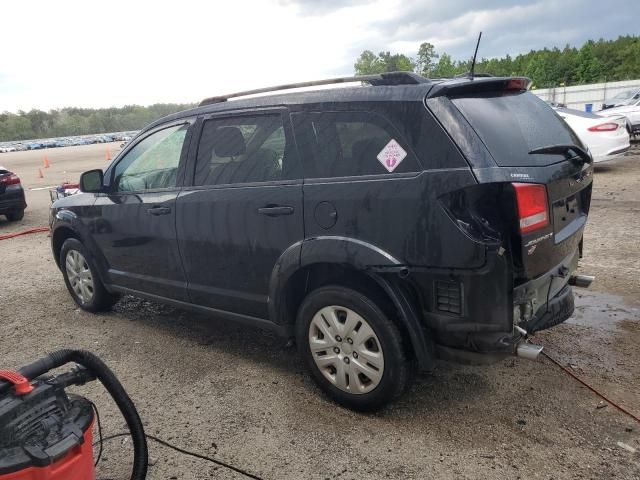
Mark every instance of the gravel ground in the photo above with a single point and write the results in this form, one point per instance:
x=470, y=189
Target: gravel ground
x=239, y=395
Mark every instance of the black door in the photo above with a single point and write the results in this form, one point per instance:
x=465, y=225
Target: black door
x=135, y=221
x=242, y=212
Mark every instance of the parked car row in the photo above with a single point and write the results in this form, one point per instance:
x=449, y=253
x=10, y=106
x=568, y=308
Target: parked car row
x=66, y=141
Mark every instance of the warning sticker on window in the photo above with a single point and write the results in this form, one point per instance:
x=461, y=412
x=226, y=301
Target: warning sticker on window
x=391, y=155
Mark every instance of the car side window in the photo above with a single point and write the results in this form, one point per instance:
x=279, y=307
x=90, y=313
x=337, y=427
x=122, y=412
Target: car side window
x=344, y=144
x=244, y=149
x=152, y=163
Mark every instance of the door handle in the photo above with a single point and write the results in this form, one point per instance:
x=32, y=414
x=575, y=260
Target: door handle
x=276, y=210
x=159, y=210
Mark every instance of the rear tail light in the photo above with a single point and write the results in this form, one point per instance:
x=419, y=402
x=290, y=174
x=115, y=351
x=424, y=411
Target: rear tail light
x=518, y=83
x=11, y=179
x=533, y=209
x=604, y=127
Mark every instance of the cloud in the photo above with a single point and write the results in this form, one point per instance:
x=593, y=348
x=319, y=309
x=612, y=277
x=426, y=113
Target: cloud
x=509, y=27
x=78, y=53
x=320, y=7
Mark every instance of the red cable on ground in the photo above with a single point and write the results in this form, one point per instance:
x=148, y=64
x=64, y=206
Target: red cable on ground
x=24, y=232
x=570, y=373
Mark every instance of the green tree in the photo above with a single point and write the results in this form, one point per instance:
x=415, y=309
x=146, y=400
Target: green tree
x=368, y=63
x=396, y=62
x=426, y=61
x=80, y=121
x=590, y=69
x=595, y=61
x=445, y=68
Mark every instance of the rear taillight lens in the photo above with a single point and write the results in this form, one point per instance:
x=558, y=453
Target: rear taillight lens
x=518, y=83
x=533, y=209
x=604, y=127
x=9, y=179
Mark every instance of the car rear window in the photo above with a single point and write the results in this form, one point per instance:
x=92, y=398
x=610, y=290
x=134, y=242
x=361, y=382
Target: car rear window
x=512, y=124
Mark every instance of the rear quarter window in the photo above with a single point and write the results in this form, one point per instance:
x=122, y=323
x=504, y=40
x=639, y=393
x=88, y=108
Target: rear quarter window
x=511, y=124
x=345, y=144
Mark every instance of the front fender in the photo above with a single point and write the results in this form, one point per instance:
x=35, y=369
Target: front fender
x=66, y=219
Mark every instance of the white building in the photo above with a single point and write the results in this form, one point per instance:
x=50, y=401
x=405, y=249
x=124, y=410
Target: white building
x=580, y=96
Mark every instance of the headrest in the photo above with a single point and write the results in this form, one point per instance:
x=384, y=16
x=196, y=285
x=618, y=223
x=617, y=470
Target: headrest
x=228, y=142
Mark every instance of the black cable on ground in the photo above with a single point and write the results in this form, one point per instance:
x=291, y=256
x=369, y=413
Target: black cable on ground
x=99, y=456
x=185, y=452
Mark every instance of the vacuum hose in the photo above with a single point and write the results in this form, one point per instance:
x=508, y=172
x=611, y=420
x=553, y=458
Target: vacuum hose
x=98, y=368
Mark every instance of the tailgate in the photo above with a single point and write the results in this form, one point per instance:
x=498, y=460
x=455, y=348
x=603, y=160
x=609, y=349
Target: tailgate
x=527, y=141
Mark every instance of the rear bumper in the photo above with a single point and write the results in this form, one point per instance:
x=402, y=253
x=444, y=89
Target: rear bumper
x=530, y=299
x=610, y=155
x=12, y=200
x=556, y=311
x=487, y=323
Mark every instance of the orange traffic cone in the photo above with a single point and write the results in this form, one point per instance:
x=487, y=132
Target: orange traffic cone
x=46, y=162
x=107, y=155
x=40, y=175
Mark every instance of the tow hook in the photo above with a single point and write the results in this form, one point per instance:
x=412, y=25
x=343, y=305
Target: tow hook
x=582, y=281
x=527, y=350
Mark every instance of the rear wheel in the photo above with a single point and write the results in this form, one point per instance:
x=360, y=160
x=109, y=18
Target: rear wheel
x=81, y=279
x=353, y=350
x=15, y=216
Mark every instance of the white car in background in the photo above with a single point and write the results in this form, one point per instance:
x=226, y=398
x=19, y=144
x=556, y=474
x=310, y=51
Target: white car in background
x=606, y=137
x=631, y=111
x=626, y=97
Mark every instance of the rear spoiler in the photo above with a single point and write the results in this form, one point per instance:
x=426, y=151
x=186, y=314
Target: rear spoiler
x=478, y=85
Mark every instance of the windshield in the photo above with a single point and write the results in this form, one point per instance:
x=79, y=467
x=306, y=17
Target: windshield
x=626, y=97
x=513, y=124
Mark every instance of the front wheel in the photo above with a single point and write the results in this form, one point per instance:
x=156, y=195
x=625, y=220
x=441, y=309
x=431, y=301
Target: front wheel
x=353, y=350
x=81, y=278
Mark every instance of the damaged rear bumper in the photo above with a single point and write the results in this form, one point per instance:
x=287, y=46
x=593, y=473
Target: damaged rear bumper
x=547, y=300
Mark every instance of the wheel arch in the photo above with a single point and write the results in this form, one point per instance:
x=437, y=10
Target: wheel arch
x=311, y=264
x=58, y=237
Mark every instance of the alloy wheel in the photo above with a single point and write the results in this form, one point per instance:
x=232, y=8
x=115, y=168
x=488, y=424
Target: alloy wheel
x=79, y=275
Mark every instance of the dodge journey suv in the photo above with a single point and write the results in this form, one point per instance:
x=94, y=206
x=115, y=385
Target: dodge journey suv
x=382, y=225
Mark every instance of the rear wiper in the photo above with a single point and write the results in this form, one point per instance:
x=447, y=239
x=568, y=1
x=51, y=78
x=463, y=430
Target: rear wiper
x=578, y=153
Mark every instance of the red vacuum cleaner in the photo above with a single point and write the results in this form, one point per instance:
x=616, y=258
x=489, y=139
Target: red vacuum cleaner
x=46, y=433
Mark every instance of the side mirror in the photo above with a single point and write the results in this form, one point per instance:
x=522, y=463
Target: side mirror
x=92, y=181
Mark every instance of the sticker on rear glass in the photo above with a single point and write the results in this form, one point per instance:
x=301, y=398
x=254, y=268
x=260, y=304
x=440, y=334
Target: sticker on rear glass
x=391, y=155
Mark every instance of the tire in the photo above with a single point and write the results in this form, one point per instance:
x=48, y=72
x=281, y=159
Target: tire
x=376, y=348
x=15, y=216
x=85, y=286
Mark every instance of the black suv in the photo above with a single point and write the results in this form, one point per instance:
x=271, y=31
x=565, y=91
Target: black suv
x=382, y=225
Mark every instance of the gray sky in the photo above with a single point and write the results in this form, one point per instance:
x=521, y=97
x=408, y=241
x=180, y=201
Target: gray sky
x=90, y=54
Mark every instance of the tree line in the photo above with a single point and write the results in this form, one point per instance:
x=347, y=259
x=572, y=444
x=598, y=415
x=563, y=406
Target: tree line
x=595, y=61
x=81, y=121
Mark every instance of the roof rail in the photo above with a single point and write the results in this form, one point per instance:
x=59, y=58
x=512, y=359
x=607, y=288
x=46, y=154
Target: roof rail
x=390, y=78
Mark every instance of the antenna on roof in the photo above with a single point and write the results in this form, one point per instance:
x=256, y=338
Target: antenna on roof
x=473, y=60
